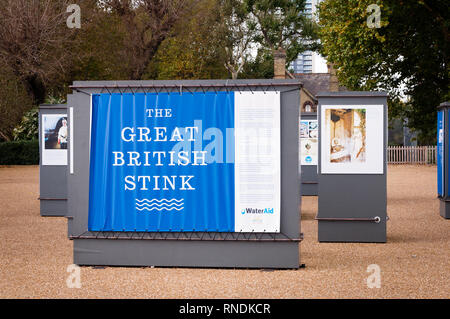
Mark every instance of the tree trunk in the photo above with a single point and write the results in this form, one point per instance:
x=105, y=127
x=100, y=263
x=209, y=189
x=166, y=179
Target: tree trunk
x=5, y=137
x=35, y=88
x=145, y=57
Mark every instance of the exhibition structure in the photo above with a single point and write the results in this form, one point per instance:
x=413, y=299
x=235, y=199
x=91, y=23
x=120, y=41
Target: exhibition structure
x=443, y=169
x=207, y=182
x=309, y=154
x=53, y=137
x=352, y=167
x=207, y=173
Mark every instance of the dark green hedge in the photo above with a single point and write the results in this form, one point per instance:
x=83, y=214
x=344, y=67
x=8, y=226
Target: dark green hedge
x=19, y=153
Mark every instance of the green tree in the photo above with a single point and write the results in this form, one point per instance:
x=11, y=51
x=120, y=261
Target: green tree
x=14, y=101
x=407, y=54
x=35, y=42
x=98, y=51
x=147, y=24
x=282, y=24
x=237, y=37
x=196, y=51
x=28, y=128
x=259, y=68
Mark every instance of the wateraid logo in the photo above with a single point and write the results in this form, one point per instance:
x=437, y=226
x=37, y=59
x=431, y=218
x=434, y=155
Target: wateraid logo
x=257, y=211
x=308, y=159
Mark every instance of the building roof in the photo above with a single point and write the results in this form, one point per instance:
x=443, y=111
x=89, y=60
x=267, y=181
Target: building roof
x=314, y=82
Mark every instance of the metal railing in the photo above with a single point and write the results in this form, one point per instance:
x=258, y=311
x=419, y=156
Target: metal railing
x=411, y=154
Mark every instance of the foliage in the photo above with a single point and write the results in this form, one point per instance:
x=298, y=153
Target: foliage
x=147, y=23
x=395, y=132
x=35, y=42
x=282, y=24
x=183, y=59
x=40, y=56
x=234, y=31
x=28, y=128
x=14, y=101
x=407, y=55
x=98, y=52
x=55, y=99
x=19, y=153
x=196, y=52
x=259, y=68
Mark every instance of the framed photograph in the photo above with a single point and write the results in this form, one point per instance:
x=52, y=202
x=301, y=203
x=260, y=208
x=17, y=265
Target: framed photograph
x=54, y=139
x=313, y=129
x=352, y=139
x=304, y=129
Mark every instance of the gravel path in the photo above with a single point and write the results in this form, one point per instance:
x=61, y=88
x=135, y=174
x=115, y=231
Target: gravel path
x=415, y=263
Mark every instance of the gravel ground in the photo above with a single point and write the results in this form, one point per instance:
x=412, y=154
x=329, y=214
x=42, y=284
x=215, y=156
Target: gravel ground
x=35, y=253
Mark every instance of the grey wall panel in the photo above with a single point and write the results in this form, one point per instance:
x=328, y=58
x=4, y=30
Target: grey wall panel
x=55, y=208
x=350, y=195
x=78, y=182
x=52, y=178
x=53, y=181
x=184, y=253
x=353, y=231
x=444, y=208
x=290, y=181
x=310, y=182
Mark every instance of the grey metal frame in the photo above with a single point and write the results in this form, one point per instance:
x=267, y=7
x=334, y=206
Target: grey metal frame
x=52, y=178
x=349, y=203
x=274, y=251
x=309, y=177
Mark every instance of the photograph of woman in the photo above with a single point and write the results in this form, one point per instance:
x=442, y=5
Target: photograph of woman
x=55, y=131
x=347, y=135
x=62, y=134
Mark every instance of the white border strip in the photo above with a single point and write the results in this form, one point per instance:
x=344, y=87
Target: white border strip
x=90, y=126
x=375, y=143
x=71, y=139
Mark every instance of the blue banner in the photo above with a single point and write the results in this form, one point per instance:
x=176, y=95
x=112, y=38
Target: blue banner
x=440, y=153
x=148, y=168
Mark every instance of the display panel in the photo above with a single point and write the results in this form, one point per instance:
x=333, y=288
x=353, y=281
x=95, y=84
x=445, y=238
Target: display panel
x=309, y=142
x=54, y=136
x=352, y=139
x=203, y=162
x=440, y=153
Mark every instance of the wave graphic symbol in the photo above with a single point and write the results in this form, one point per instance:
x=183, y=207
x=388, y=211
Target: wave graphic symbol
x=160, y=204
x=160, y=200
x=159, y=209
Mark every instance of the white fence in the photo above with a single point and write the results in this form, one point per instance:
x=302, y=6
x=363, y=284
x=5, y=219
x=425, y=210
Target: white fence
x=411, y=154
